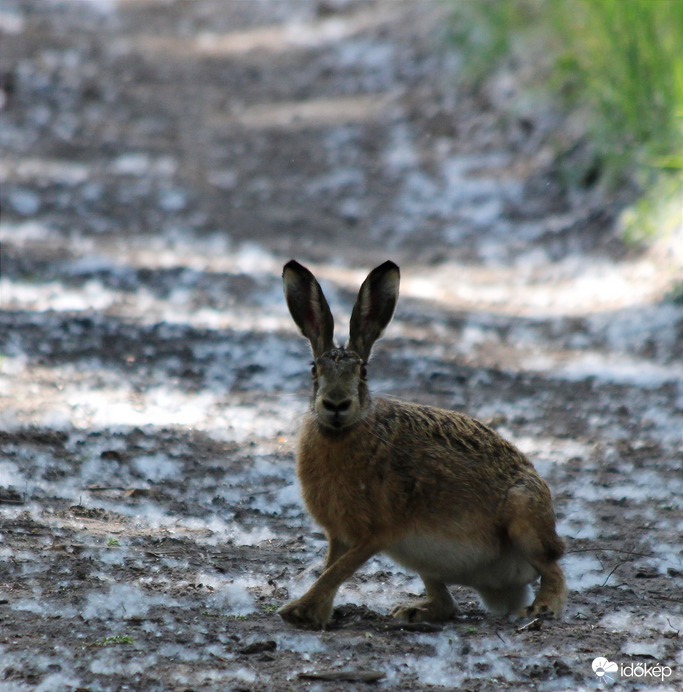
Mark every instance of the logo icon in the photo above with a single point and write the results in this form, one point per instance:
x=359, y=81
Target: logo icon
x=602, y=667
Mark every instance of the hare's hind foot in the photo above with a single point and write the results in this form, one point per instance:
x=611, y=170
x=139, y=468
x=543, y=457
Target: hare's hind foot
x=551, y=597
x=437, y=607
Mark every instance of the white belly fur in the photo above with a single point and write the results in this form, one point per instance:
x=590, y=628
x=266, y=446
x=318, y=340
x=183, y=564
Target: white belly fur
x=456, y=562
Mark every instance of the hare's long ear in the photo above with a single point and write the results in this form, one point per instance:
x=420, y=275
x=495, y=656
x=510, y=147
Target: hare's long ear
x=374, y=308
x=308, y=307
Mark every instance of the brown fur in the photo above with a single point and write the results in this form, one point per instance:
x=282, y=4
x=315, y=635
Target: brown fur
x=435, y=489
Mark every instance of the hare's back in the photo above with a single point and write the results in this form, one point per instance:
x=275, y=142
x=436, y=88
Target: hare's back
x=450, y=439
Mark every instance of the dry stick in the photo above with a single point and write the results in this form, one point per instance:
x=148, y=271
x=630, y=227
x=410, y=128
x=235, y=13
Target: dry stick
x=609, y=550
x=673, y=628
x=345, y=675
x=616, y=567
x=498, y=634
x=533, y=626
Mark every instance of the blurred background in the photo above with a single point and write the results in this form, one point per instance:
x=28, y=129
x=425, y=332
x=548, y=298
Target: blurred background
x=344, y=130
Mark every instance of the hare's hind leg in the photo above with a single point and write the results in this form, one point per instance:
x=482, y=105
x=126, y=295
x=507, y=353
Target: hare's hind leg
x=531, y=529
x=438, y=605
x=552, y=595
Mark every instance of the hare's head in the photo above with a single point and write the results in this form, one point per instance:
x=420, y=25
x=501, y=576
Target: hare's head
x=340, y=391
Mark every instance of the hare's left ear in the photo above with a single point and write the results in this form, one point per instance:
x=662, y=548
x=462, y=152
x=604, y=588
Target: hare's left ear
x=374, y=308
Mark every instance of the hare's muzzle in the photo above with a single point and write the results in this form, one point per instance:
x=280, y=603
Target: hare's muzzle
x=337, y=411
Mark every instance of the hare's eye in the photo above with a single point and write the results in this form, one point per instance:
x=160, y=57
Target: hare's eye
x=314, y=371
x=363, y=372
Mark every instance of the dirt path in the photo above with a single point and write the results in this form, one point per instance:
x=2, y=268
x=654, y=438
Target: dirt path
x=161, y=160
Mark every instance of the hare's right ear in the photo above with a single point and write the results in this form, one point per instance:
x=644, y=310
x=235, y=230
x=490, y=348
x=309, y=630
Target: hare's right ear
x=308, y=307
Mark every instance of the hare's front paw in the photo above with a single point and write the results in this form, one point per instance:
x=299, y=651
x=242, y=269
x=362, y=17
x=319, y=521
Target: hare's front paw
x=424, y=611
x=309, y=615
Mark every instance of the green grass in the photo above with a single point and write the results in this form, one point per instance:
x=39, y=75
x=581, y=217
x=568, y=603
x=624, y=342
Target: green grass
x=616, y=63
x=625, y=58
x=111, y=641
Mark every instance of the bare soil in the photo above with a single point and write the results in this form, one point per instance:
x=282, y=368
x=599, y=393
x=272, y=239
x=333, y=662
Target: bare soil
x=161, y=160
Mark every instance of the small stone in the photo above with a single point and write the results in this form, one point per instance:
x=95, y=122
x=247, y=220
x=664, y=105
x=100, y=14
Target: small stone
x=259, y=647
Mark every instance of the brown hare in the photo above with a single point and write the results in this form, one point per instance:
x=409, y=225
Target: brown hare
x=436, y=490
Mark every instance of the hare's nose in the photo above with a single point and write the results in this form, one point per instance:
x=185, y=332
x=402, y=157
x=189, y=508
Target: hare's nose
x=337, y=406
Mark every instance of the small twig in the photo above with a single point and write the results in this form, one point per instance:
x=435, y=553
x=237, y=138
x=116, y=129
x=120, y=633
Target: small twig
x=10, y=496
x=11, y=501
x=664, y=597
x=610, y=574
x=500, y=637
x=533, y=626
x=615, y=568
x=345, y=675
x=103, y=488
x=630, y=553
x=609, y=550
x=222, y=659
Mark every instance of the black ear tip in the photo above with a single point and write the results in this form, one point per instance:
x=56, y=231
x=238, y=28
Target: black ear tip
x=292, y=264
x=389, y=266
x=297, y=268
